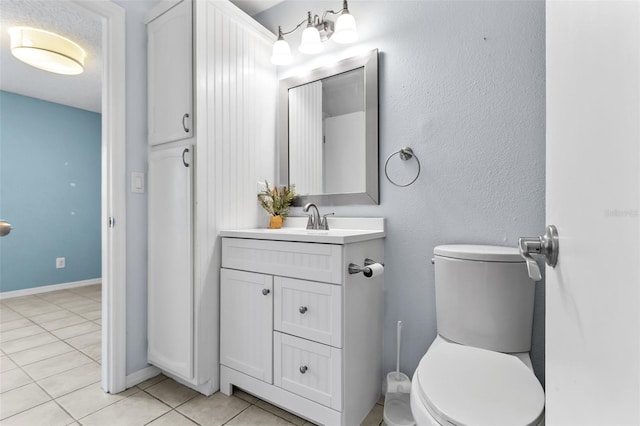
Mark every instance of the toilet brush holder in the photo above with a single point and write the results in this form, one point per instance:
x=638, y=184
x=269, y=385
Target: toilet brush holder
x=397, y=406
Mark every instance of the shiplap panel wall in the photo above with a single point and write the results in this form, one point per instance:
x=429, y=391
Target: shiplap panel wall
x=305, y=138
x=235, y=131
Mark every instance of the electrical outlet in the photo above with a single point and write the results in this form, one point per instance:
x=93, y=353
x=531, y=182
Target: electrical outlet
x=60, y=262
x=262, y=187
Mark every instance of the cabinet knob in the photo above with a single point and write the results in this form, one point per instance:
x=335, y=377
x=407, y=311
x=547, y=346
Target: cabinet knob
x=266, y=291
x=302, y=309
x=304, y=369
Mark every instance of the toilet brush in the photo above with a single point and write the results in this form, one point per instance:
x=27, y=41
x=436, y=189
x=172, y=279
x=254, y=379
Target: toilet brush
x=398, y=340
x=397, y=408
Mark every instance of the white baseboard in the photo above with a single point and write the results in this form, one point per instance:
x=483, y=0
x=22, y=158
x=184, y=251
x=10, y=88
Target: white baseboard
x=142, y=375
x=48, y=288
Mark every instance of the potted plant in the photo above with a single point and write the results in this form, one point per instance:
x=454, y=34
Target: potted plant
x=277, y=203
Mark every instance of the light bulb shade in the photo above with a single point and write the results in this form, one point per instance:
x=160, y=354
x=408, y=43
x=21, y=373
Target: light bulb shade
x=47, y=51
x=281, y=54
x=310, y=42
x=345, y=31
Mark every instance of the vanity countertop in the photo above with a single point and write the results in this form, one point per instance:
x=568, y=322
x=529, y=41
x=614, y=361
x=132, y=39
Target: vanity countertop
x=342, y=230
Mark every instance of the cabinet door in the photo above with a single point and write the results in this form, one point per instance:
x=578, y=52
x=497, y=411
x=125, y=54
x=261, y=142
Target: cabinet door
x=169, y=69
x=170, y=275
x=246, y=322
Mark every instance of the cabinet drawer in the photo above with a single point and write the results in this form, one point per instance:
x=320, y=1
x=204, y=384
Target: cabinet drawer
x=318, y=262
x=308, y=369
x=308, y=309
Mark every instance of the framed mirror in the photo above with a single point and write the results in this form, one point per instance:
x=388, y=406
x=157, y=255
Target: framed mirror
x=328, y=132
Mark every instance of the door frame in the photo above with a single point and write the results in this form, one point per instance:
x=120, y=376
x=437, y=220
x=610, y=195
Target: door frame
x=113, y=177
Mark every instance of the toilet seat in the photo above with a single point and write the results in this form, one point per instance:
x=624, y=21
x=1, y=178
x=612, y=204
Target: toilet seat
x=463, y=385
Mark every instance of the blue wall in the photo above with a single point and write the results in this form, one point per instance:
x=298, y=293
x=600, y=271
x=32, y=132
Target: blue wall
x=50, y=164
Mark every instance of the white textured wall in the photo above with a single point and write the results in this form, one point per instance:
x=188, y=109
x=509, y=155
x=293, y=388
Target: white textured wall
x=462, y=83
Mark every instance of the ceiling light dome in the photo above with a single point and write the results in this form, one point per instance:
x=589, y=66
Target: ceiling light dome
x=47, y=51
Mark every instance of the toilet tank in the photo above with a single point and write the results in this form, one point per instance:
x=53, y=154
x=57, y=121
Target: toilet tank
x=484, y=297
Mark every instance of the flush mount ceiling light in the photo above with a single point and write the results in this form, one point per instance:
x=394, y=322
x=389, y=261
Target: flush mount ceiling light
x=317, y=30
x=47, y=51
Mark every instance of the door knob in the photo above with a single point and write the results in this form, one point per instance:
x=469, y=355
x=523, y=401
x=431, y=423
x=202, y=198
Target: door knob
x=266, y=291
x=545, y=245
x=5, y=228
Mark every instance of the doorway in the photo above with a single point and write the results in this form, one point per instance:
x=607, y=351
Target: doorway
x=112, y=199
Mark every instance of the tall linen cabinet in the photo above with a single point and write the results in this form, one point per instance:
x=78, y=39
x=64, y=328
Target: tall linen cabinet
x=208, y=149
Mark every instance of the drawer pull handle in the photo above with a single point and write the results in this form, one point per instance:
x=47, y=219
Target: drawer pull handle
x=302, y=309
x=266, y=291
x=304, y=369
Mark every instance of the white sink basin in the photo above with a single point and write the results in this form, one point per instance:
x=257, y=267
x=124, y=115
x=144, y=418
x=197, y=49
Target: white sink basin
x=341, y=231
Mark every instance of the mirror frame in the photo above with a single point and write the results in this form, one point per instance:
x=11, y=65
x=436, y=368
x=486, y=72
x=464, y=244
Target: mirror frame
x=368, y=61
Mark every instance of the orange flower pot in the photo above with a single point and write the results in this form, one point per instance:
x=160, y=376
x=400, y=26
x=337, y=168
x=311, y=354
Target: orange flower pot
x=275, y=222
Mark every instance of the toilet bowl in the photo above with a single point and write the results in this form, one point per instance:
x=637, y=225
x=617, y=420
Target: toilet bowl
x=462, y=385
x=478, y=371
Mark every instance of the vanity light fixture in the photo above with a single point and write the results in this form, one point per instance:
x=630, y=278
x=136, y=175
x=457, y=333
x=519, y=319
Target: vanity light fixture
x=47, y=51
x=317, y=31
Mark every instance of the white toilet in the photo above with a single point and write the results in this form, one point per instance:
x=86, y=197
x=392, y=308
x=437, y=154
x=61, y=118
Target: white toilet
x=478, y=371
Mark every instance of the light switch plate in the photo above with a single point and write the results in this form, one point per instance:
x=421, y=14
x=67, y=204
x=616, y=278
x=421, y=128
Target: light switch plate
x=137, y=182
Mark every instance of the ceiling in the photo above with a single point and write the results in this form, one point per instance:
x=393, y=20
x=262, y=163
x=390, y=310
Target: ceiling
x=253, y=7
x=68, y=20
x=71, y=21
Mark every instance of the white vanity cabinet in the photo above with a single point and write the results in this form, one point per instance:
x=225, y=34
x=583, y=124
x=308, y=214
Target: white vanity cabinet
x=298, y=330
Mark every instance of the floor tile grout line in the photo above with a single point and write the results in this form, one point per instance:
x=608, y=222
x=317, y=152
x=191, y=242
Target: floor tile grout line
x=65, y=410
x=179, y=405
x=42, y=387
x=58, y=339
x=78, y=335
x=65, y=394
x=37, y=381
x=46, y=331
x=62, y=371
x=63, y=307
x=164, y=414
x=101, y=408
x=27, y=384
x=44, y=359
x=241, y=411
x=27, y=409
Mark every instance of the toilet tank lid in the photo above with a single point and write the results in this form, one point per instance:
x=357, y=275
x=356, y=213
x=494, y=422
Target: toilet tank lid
x=479, y=253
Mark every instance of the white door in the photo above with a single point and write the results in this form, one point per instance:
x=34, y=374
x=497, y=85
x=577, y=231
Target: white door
x=593, y=189
x=170, y=263
x=169, y=72
x=246, y=323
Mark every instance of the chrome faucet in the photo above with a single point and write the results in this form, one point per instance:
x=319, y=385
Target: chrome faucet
x=314, y=215
x=315, y=220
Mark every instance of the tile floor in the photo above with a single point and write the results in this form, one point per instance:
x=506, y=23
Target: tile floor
x=50, y=348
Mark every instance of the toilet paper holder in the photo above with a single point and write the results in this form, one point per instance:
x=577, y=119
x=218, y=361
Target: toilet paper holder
x=366, y=271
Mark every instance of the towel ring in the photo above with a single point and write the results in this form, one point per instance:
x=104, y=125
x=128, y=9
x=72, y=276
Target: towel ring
x=405, y=154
